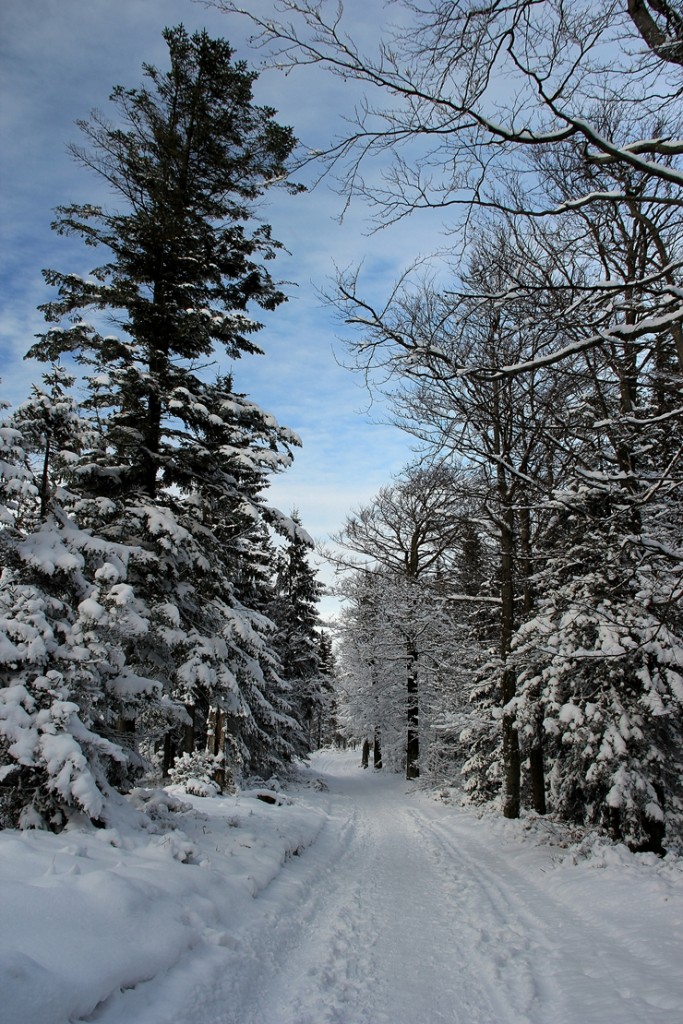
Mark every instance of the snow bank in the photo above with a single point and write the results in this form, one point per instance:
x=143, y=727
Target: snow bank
x=88, y=913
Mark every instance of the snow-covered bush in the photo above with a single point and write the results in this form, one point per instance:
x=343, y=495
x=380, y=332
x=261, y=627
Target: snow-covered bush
x=196, y=773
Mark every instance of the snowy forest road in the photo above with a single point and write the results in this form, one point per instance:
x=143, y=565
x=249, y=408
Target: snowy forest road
x=407, y=911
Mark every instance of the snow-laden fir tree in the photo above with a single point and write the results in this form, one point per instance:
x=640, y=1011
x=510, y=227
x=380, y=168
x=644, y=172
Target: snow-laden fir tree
x=181, y=462
x=601, y=672
x=295, y=611
x=68, y=620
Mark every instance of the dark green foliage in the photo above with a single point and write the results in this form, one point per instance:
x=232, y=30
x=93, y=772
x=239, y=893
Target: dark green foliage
x=192, y=155
x=298, y=640
x=170, y=468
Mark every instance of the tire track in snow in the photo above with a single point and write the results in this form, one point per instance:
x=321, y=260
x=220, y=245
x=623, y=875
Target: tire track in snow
x=538, y=943
x=316, y=966
x=500, y=935
x=312, y=890
x=430, y=972
x=379, y=940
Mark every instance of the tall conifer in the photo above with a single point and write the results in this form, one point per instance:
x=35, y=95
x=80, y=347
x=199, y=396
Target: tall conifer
x=181, y=461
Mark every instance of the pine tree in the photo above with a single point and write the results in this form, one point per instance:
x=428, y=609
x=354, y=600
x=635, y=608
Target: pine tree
x=181, y=462
x=602, y=674
x=67, y=619
x=295, y=612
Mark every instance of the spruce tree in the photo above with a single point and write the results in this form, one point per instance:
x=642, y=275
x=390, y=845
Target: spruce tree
x=295, y=612
x=183, y=460
x=601, y=671
x=68, y=621
x=193, y=154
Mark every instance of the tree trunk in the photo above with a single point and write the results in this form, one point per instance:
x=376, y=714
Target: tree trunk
x=188, y=731
x=536, y=765
x=511, y=757
x=377, y=750
x=218, y=731
x=169, y=754
x=215, y=738
x=365, y=757
x=413, y=741
x=537, y=771
x=45, y=481
x=126, y=728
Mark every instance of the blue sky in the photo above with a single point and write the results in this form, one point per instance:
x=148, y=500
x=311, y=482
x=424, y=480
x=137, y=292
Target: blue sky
x=58, y=60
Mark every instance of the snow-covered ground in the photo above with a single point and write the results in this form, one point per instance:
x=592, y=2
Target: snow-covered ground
x=368, y=902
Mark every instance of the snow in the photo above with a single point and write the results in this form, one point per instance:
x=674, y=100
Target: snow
x=355, y=898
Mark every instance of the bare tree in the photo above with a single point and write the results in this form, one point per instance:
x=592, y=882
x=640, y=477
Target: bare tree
x=408, y=540
x=513, y=427
x=463, y=100
x=443, y=78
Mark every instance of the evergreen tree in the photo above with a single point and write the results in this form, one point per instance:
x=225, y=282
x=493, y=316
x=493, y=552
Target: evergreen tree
x=602, y=674
x=327, y=726
x=295, y=612
x=192, y=156
x=177, y=469
x=68, y=620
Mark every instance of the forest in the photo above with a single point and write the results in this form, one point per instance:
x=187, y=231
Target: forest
x=512, y=617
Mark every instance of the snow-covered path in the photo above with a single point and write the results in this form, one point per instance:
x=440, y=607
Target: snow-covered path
x=406, y=911
x=366, y=902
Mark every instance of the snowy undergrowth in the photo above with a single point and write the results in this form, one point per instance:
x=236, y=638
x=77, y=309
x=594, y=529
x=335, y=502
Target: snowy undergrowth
x=579, y=842
x=90, y=912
